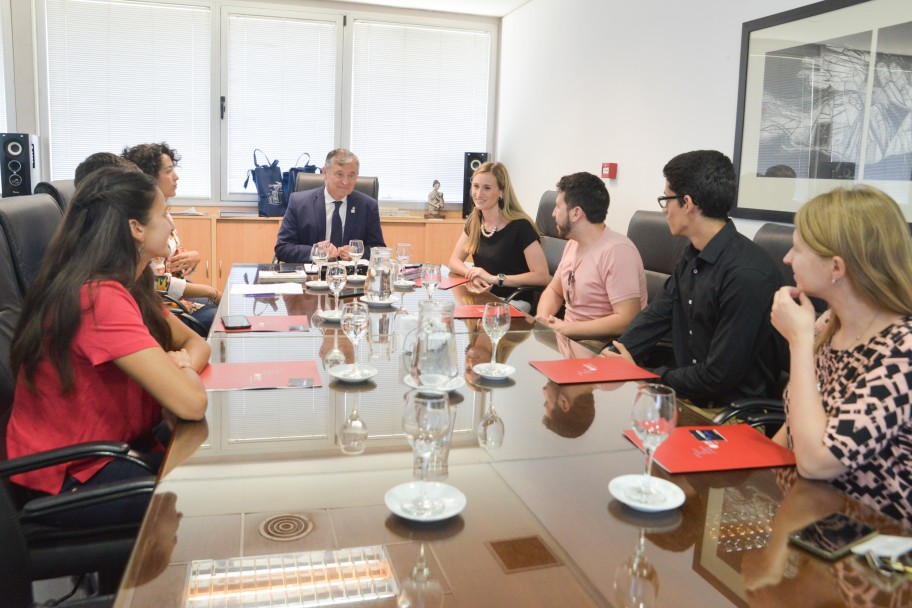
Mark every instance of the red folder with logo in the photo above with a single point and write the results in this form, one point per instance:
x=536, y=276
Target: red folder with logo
x=476, y=311
x=695, y=449
x=260, y=375
x=593, y=369
x=268, y=323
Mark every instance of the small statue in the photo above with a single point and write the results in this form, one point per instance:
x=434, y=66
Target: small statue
x=435, y=203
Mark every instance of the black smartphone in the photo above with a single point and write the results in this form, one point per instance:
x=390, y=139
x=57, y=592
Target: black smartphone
x=235, y=322
x=833, y=536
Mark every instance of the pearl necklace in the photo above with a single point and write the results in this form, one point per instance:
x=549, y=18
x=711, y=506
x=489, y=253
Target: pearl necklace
x=491, y=233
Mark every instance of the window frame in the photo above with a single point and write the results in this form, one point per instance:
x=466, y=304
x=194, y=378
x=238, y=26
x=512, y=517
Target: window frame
x=9, y=72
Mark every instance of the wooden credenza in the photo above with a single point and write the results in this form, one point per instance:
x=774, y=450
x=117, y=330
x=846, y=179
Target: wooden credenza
x=223, y=241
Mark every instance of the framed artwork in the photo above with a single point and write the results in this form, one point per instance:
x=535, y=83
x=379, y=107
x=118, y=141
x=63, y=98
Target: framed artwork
x=825, y=100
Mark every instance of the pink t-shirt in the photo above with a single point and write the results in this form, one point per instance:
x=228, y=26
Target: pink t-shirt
x=611, y=271
x=105, y=404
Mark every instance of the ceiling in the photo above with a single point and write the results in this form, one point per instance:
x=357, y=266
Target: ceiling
x=487, y=8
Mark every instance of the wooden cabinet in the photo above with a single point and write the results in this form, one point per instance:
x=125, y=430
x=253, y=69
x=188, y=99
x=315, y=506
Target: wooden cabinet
x=248, y=240
x=432, y=240
x=196, y=234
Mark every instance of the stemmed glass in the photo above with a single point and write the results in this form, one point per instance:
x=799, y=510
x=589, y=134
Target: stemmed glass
x=420, y=590
x=355, y=250
x=319, y=253
x=353, y=434
x=654, y=416
x=355, y=319
x=426, y=422
x=496, y=321
x=404, y=255
x=336, y=276
x=636, y=582
x=490, y=429
x=430, y=278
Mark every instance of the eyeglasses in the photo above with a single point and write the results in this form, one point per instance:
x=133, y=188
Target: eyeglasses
x=571, y=281
x=663, y=200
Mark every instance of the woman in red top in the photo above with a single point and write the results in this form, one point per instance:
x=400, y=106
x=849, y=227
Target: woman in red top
x=96, y=355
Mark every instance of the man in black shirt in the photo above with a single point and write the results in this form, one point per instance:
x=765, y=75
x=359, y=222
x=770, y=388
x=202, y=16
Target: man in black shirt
x=717, y=302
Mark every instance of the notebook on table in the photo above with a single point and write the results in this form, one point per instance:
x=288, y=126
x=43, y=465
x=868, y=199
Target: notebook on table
x=260, y=375
x=592, y=369
x=268, y=323
x=476, y=311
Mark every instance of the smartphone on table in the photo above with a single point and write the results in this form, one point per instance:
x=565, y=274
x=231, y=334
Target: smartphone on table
x=235, y=322
x=832, y=536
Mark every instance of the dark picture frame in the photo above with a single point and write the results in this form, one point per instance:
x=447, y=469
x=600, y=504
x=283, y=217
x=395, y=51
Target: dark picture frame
x=824, y=100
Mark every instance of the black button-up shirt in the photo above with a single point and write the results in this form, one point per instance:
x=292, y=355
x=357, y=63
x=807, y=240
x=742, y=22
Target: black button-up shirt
x=717, y=306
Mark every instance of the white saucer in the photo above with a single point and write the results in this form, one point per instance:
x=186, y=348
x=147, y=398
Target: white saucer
x=673, y=496
x=454, y=501
x=452, y=385
x=339, y=373
x=404, y=284
x=356, y=278
x=494, y=371
x=317, y=284
x=329, y=315
x=379, y=303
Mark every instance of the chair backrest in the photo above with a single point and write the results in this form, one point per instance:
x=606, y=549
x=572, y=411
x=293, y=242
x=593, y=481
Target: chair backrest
x=365, y=185
x=776, y=240
x=15, y=578
x=659, y=249
x=10, y=310
x=551, y=242
x=29, y=223
x=61, y=190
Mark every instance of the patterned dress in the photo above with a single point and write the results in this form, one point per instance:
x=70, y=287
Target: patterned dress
x=867, y=394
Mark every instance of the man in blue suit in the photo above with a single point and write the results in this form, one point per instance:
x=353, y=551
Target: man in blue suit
x=335, y=213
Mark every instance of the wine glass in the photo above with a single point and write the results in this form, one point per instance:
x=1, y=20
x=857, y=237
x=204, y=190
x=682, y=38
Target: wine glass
x=355, y=319
x=490, y=429
x=336, y=276
x=420, y=590
x=654, y=416
x=430, y=278
x=404, y=255
x=355, y=250
x=335, y=356
x=496, y=321
x=353, y=434
x=426, y=422
x=636, y=582
x=319, y=253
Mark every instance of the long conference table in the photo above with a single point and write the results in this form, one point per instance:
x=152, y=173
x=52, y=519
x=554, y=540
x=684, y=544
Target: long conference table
x=258, y=506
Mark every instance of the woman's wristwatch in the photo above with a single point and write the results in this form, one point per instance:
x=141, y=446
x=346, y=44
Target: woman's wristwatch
x=500, y=279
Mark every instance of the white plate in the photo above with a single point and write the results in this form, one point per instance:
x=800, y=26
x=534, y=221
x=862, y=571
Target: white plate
x=404, y=284
x=379, y=303
x=452, y=385
x=339, y=373
x=356, y=278
x=317, y=284
x=329, y=315
x=454, y=501
x=673, y=496
x=494, y=371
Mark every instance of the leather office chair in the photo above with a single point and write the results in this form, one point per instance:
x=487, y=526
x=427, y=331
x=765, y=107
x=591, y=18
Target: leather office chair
x=365, y=185
x=26, y=226
x=659, y=249
x=61, y=190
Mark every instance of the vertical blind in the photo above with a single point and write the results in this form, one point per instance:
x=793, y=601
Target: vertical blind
x=281, y=94
x=125, y=73
x=3, y=123
x=419, y=102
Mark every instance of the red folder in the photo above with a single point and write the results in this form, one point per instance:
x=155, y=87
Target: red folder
x=451, y=281
x=741, y=447
x=593, y=369
x=476, y=311
x=269, y=323
x=270, y=374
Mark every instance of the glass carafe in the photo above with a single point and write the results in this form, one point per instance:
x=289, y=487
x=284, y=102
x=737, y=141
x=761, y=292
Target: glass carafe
x=434, y=364
x=379, y=279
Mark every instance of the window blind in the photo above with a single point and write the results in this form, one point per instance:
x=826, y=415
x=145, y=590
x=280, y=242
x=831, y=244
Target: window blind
x=3, y=123
x=125, y=73
x=419, y=102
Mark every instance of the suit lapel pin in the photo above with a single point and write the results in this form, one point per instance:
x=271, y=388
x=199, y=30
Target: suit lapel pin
x=352, y=212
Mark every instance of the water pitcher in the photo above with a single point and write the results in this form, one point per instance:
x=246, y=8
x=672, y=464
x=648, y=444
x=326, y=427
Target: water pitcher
x=379, y=275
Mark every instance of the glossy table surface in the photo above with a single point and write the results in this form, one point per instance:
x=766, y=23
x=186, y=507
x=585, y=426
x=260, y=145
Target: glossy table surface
x=541, y=499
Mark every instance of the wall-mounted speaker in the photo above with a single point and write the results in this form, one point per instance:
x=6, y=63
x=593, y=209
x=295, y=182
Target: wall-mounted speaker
x=473, y=160
x=20, y=170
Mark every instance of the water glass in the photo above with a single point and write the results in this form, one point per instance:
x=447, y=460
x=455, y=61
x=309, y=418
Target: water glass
x=355, y=250
x=336, y=276
x=426, y=423
x=430, y=278
x=654, y=416
x=355, y=319
x=496, y=322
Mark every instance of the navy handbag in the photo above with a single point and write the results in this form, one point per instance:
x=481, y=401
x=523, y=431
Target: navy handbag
x=290, y=177
x=267, y=178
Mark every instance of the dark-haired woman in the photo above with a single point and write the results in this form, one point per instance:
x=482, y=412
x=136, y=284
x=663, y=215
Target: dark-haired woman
x=96, y=355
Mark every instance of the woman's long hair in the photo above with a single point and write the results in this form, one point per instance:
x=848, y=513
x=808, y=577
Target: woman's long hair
x=94, y=243
x=866, y=228
x=510, y=208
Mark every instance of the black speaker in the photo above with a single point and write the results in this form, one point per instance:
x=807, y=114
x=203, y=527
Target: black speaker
x=20, y=171
x=473, y=160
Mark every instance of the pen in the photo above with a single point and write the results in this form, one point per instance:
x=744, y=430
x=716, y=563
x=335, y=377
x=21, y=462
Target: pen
x=260, y=295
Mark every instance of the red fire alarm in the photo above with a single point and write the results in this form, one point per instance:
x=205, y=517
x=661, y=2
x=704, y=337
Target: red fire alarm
x=609, y=170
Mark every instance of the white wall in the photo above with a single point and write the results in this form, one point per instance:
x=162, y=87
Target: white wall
x=589, y=81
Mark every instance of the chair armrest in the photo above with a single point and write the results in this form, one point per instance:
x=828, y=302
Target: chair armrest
x=176, y=302
x=67, y=501
x=184, y=314
x=92, y=449
x=750, y=407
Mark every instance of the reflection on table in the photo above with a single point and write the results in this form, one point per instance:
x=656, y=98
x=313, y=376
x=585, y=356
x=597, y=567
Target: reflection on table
x=539, y=528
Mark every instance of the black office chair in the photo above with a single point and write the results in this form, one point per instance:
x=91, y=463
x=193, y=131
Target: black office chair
x=551, y=242
x=61, y=190
x=658, y=248
x=29, y=223
x=365, y=185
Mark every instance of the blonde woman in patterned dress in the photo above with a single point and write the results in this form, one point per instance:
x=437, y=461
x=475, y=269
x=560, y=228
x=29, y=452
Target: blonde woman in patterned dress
x=849, y=400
